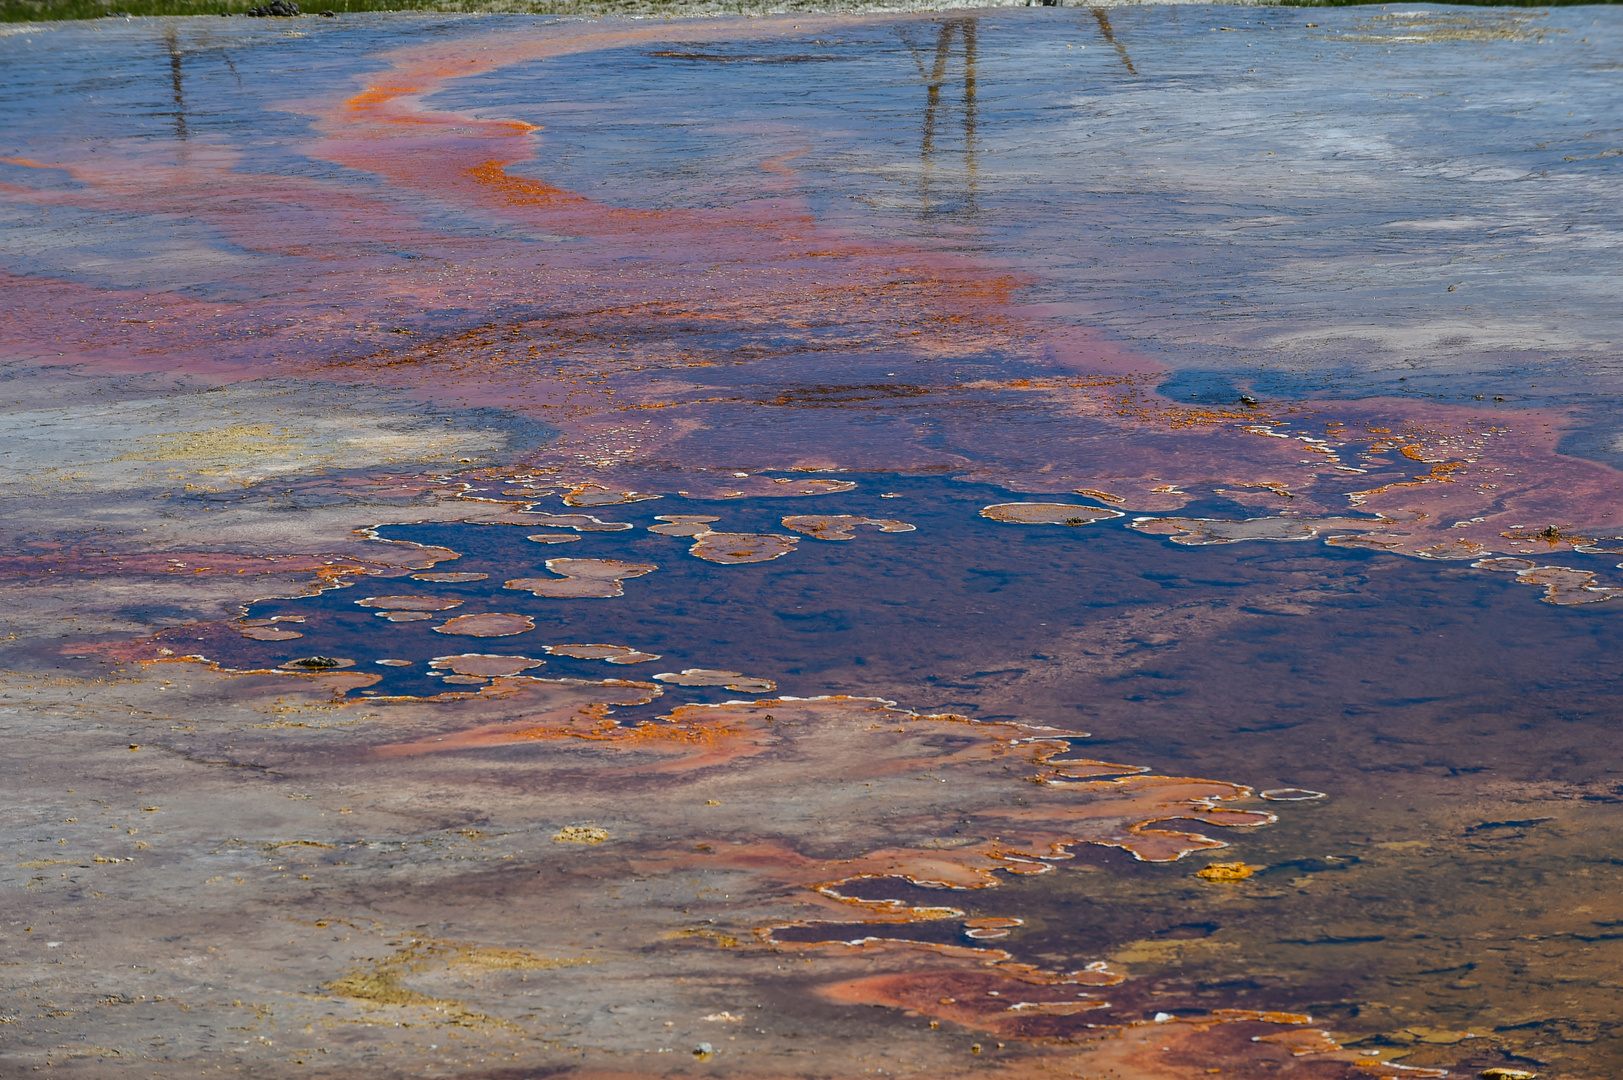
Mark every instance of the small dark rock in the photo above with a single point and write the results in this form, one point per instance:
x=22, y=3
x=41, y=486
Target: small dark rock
x=274, y=9
x=1247, y=400
x=329, y=14
x=315, y=663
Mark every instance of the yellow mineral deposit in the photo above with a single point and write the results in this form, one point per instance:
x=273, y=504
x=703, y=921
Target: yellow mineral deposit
x=729, y=548
x=596, y=495
x=580, y=834
x=582, y=579
x=484, y=664
x=450, y=577
x=732, y=680
x=488, y=625
x=410, y=603
x=1047, y=513
x=612, y=654
x=840, y=526
x=1225, y=871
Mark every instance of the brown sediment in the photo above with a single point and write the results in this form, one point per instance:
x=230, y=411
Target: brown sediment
x=841, y=526
x=456, y=577
x=582, y=578
x=484, y=664
x=487, y=625
x=1045, y=513
x=410, y=603
x=730, y=548
x=1004, y=1003
x=732, y=680
x=613, y=654
x=406, y=616
x=553, y=538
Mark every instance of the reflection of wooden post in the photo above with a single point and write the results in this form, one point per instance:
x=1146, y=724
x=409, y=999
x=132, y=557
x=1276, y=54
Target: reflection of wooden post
x=965, y=30
x=173, y=42
x=1103, y=17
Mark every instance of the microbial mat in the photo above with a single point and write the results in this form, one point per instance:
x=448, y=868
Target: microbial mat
x=1037, y=542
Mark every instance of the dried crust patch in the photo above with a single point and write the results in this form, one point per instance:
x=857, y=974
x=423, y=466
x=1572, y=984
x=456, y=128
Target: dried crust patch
x=410, y=603
x=724, y=547
x=731, y=680
x=841, y=526
x=582, y=579
x=769, y=487
x=612, y=654
x=577, y=522
x=1199, y=532
x=732, y=548
x=492, y=624
x=597, y=495
x=486, y=665
x=1047, y=513
x=1562, y=584
x=683, y=524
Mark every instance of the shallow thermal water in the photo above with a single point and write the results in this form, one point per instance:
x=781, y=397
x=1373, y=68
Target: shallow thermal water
x=736, y=546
